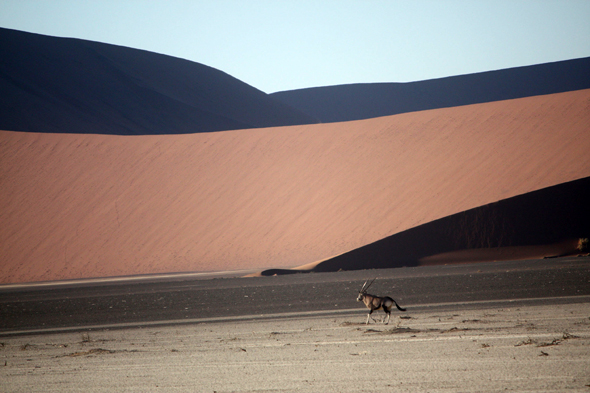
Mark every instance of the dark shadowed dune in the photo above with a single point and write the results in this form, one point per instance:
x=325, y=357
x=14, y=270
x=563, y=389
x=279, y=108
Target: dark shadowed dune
x=543, y=223
x=364, y=101
x=65, y=85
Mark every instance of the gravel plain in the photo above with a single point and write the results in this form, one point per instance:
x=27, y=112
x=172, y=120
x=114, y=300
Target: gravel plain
x=523, y=347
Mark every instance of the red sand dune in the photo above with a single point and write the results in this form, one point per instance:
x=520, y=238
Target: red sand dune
x=539, y=224
x=76, y=205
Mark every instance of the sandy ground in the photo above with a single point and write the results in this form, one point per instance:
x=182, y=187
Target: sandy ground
x=515, y=348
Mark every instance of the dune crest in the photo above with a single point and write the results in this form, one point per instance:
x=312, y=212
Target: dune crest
x=77, y=205
x=366, y=100
x=52, y=84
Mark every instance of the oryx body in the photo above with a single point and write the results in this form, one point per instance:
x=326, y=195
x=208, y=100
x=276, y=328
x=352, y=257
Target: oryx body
x=374, y=303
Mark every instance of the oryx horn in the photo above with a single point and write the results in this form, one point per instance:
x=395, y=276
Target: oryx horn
x=365, y=286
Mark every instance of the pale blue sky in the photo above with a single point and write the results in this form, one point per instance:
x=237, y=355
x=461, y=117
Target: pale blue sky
x=277, y=45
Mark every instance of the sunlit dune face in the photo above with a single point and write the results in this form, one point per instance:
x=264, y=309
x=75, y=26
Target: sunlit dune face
x=79, y=205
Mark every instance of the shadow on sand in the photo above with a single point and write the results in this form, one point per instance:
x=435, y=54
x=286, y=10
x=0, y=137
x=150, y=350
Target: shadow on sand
x=540, y=224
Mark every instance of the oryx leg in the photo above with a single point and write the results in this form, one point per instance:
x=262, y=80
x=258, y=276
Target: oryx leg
x=369, y=316
x=374, y=319
x=388, y=316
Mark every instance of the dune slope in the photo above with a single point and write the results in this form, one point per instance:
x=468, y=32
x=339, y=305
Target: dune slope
x=540, y=224
x=75, y=205
x=52, y=84
x=367, y=100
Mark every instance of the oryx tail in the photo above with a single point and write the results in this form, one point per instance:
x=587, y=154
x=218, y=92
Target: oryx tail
x=397, y=305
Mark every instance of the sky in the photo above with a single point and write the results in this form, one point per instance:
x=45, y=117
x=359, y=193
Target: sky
x=277, y=45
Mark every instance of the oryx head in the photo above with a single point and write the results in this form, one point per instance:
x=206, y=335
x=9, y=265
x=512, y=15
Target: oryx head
x=363, y=290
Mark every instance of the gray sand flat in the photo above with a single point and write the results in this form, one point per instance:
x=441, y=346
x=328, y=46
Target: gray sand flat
x=524, y=348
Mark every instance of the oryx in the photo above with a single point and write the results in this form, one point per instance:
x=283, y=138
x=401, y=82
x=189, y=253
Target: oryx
x=377, y=303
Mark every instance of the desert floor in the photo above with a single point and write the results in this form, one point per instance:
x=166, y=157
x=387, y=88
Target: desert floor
x=526, y=346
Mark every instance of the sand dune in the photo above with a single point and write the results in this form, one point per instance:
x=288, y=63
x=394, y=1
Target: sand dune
x=367, y=100
x=75, y=205
x=52, y=84
x=545, y=223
